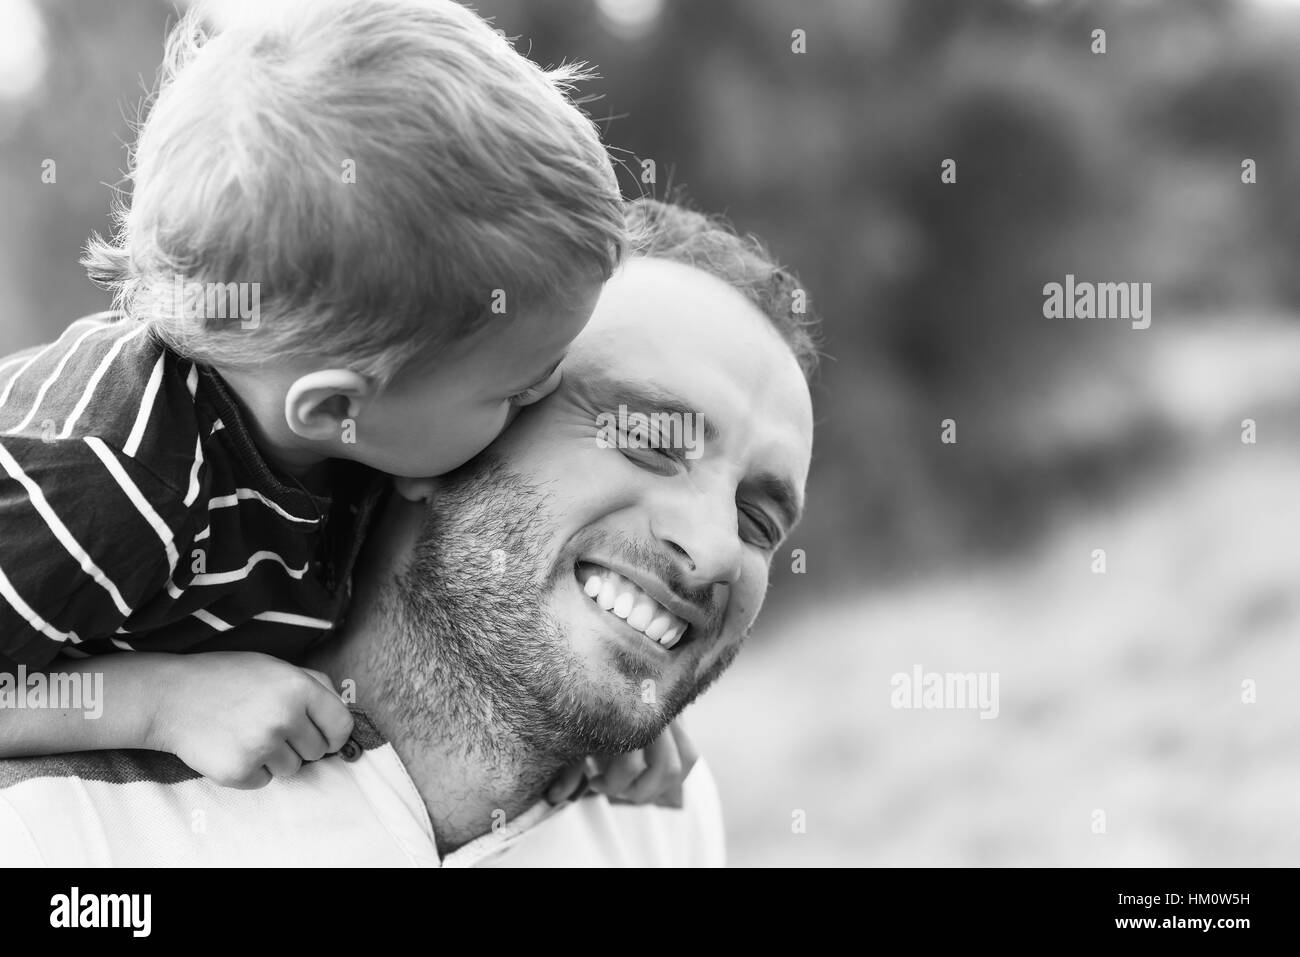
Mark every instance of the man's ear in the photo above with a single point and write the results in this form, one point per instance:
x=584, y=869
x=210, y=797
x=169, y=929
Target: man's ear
x=317, y=404
x=414, y=489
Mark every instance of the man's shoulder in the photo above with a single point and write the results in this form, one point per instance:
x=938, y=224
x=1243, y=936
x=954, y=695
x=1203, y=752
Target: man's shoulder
x=54, y=809
x=596, y=832
x=145, y=808
x=148, y=809
x=105, y=767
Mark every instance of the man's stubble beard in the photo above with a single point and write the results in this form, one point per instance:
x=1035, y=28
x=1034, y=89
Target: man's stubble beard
x=477, y=663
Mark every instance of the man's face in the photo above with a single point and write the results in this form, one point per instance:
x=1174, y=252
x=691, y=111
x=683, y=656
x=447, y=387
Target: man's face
x=525, y=551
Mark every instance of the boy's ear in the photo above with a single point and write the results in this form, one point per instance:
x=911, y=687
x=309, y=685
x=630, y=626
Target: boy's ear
x=414, y=489
x=317, y=404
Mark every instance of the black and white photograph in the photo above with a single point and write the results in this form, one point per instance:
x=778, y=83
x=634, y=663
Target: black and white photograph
x=652, y=433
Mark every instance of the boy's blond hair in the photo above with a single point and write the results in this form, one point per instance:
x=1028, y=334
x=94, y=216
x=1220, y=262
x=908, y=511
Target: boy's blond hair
x=387, y=171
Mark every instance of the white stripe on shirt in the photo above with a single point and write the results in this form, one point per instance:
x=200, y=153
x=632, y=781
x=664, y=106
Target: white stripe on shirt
x=284, y=618
x=117, y=314
x=245, y=494
x=193, y=492
x=212, y=620
x=239, y=574
x=38, y=623
x=146, y=409
x=60, y=530
x=4, y=396
x=165, y=534
x=50, y=380
x=93, y=383
x=30, y=361
x=13, y=362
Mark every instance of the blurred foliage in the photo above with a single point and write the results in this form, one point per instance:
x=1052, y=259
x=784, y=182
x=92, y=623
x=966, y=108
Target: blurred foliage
x=1123, y=166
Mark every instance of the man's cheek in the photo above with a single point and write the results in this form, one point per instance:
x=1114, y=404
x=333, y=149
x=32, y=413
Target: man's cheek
x=747, y=599
x=607, y=486
x=556, y=458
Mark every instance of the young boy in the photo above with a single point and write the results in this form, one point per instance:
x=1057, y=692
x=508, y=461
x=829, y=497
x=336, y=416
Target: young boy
x=362, y=234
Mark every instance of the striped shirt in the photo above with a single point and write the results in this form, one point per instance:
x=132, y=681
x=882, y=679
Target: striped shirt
x=136, y=512
x=358, y=808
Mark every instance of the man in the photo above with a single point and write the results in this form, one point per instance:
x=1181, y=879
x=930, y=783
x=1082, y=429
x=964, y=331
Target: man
x=569, y=592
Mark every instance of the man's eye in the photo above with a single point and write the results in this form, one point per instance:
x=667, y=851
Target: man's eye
x=755, y=527
x=634, y=447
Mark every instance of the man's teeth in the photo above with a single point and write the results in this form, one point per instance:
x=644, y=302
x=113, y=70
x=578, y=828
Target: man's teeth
x=615, y=594
x=608, y=591
x=642, y=614
x=659, y=627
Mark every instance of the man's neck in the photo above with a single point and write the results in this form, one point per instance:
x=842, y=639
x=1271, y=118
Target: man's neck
x=469, y=772
x=467, y=793
x=466, y=789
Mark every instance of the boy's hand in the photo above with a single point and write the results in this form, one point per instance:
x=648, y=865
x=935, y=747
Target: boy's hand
x=241, y=718
x=651, y=776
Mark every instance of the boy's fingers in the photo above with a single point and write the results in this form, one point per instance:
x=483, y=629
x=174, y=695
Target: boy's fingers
x=323, y=678
x=283, y=762
x=332, y=717
x=308, y=740
x=686, y=749
x=619, y=773
x=663, y=771
x=672, y=797
x=250, y=782
x=566, y=783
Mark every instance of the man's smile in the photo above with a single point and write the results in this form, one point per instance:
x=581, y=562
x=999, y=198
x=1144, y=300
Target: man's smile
x=635, y=605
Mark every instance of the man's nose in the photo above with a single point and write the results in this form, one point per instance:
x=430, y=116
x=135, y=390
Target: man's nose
x=702, y=530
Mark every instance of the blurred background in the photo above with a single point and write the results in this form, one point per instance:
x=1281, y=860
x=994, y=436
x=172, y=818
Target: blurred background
x=1119, y=692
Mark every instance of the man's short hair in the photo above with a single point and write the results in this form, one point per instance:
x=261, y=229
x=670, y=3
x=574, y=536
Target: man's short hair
x=380, y=167
x=669, y=230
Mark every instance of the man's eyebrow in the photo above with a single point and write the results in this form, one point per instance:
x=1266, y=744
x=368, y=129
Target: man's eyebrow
x=782, y=494
x=606, y=395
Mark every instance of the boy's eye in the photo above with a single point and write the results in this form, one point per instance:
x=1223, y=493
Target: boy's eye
x=535, y=393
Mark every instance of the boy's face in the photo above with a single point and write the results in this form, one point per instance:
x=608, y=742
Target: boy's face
x=431, y=421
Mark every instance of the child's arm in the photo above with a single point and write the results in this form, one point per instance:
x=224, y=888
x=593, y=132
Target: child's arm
x=650, y=776
x=237, y=717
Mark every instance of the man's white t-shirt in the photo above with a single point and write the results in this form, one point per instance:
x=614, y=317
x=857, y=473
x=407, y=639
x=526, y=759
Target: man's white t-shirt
x=358, y=808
